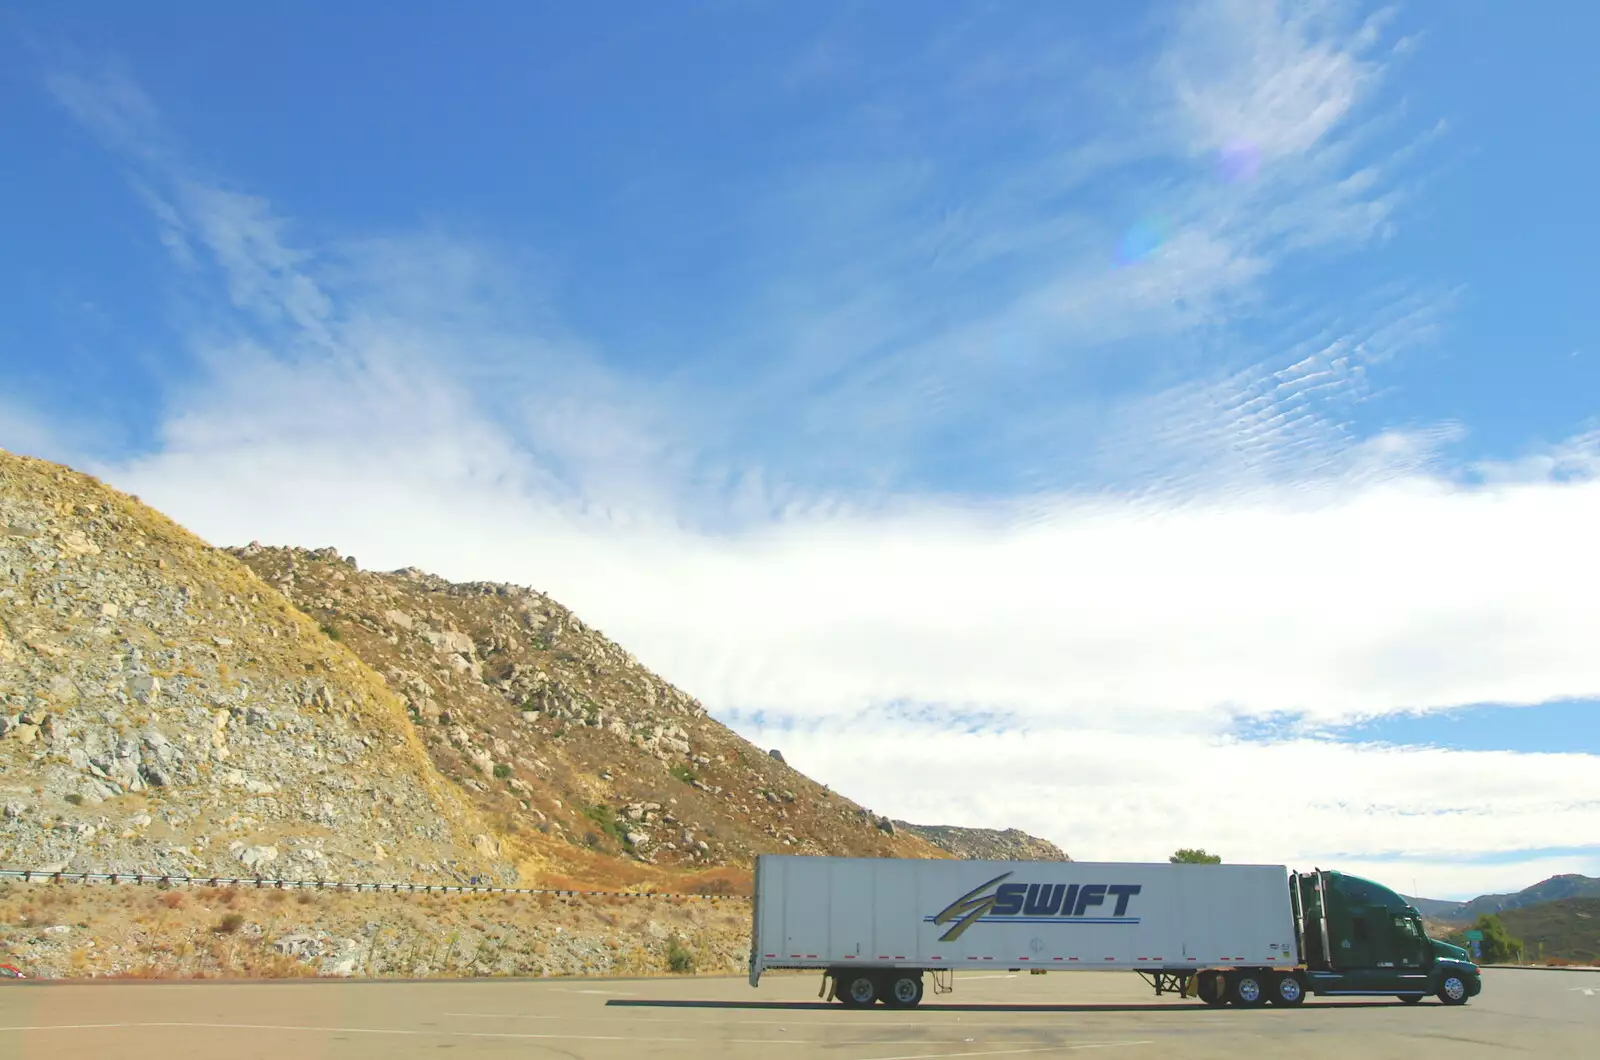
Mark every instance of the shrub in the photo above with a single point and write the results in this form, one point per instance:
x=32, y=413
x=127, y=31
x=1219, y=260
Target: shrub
x=606, y=818
x=502, y=771
x=172, y=899
x=230, y=923
x=679, y=958
x=684, y=773
x=75, y=799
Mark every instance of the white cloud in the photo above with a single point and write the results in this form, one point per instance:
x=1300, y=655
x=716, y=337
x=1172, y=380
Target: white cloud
x=1341, y=601
x=374, y=398
x=1280, y=76
x=1409, y=817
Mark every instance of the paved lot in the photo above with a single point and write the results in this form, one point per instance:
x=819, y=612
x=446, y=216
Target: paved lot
x=1544, y=1014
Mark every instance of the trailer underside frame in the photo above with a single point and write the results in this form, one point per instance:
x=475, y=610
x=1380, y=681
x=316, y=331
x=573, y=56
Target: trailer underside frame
x=1180, y=982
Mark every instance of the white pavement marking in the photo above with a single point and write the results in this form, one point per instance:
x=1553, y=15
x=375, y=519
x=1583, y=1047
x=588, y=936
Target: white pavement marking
x=1014, y=1052
x=402, y=1032
x=607, y=993
x=76, y=1027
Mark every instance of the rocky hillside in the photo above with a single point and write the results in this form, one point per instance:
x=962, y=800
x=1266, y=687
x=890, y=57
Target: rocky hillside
x=986, y=844
x=165, y=711
x=170, y=707
x=561, y=738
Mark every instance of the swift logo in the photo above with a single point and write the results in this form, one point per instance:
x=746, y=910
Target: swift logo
x=1035, y=903
x=969, y=907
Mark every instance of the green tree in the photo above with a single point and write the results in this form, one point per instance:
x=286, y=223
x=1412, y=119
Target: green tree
x=1499, y=946
x=1194, y=856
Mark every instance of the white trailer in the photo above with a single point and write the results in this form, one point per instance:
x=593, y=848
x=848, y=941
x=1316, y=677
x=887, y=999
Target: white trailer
x=914, y=915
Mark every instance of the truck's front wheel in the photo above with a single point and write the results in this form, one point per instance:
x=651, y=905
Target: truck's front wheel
x=1453, y=990
x=857, y=990
x=903, y=990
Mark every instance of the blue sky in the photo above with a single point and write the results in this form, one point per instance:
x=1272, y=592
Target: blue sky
x=1060, y=401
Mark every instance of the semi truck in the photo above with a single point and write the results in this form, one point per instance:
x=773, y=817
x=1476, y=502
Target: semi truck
x=882, y=929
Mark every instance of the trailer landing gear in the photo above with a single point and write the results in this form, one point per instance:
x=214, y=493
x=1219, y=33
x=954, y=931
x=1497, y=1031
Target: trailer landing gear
x=1180, y=983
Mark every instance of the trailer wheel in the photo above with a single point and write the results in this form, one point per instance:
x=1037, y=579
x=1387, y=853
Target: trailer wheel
x=1212, y=988
x=903, y=990
x=1453, y=990
x=1249, y=989
x=856, y=990
x=1287, y=989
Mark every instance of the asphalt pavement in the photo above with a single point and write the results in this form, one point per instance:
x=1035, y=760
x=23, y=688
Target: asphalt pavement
x=1543, y=1014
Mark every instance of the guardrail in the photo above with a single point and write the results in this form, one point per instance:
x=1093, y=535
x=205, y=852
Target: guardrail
x=261, y=882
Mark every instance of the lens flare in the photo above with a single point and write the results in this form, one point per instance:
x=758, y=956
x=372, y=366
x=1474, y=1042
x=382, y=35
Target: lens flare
x=1239, y=161
x=1142, y=240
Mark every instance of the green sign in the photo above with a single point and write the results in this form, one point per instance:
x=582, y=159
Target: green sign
x=1474, y=936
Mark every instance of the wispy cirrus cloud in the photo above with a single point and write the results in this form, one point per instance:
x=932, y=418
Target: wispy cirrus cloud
x=935, y=289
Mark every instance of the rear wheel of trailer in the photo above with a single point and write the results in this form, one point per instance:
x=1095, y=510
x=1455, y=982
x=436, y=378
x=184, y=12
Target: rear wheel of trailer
x=903, y=989
x=1212, y=988
x=856, y=989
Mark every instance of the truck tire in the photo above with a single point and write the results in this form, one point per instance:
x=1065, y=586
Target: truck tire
x=1248, y=989
x=856, y=990
x=903, y=990
x=1287, y=989
x=1453, y=990
x=1212, y=988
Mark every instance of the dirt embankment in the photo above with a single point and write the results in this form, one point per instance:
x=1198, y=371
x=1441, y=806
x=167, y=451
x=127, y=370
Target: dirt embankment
x=53, y=930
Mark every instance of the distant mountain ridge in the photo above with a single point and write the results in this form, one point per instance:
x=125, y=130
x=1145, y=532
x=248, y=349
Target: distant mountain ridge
x=1556, y=888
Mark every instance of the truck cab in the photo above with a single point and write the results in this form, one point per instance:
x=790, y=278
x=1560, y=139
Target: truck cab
x=1359, y=937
